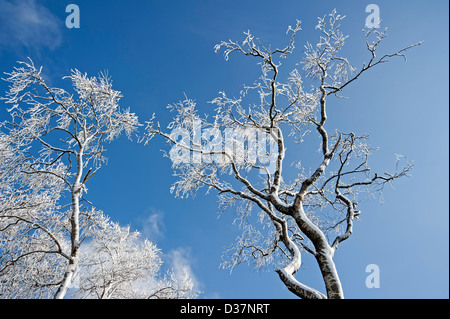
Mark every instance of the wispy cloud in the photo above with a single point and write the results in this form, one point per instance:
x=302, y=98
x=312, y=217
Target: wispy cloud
x=27, y=23
x=180, y=260
x=151, y=226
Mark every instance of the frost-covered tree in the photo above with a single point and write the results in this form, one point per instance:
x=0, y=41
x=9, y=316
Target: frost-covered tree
x=33, y=246
x=117, y=264
x=239, y=150
x=59, y=136
x=49, y=150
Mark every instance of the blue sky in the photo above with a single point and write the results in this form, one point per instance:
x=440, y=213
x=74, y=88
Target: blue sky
x=155, y=51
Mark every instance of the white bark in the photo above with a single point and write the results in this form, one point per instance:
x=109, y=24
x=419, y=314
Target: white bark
x=41, y=233
x=292, y=206
x=40, y=116
x=72, y=266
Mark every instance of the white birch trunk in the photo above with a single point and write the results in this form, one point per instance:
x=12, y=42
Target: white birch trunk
x=75, y=231
x=323, y=254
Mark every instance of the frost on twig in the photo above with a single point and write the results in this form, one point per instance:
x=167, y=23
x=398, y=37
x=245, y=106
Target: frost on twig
x=306, y=210
x=51, y=237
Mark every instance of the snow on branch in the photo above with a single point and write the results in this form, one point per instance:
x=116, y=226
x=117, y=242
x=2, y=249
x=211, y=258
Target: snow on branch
x=309, y=209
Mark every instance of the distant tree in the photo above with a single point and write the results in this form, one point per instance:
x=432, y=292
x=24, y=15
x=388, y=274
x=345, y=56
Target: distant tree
x=117, y=264
x=49, y=150
x=311, y=211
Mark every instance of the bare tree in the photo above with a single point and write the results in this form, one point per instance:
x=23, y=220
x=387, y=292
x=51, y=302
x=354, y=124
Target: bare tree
x=49, y=151
x=33, y=247
x=117, y=264
x=68, y=135
x=311, y=211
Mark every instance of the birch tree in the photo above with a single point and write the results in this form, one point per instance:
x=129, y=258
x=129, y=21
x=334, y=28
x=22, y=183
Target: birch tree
x=33, y=248
x=60, y=137
x=49, y=151
x=239, y=150
x=118, y=264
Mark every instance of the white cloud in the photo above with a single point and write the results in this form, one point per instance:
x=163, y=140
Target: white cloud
x=30, y=24
x=179, y=260
x=151, y=226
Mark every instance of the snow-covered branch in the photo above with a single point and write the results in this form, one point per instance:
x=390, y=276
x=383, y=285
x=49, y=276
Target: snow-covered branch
x=223, y=151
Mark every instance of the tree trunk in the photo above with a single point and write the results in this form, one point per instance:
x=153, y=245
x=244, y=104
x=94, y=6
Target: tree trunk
x=323, y=253
x=75, y=232
x=330, y=275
